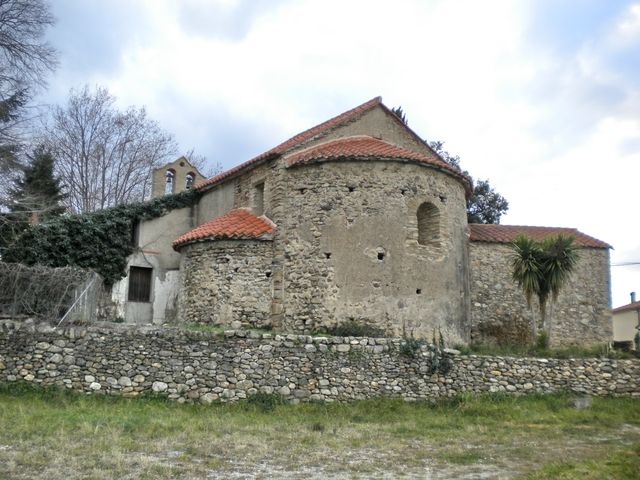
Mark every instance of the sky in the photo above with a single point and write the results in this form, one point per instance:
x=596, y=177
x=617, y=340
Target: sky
x=541, y=97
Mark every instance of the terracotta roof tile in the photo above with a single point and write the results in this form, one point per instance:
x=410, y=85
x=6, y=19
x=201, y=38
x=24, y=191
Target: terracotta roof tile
x=365, y=147
x=628, y=307
x=508, y=233
x=237, y=224
x=295, y=141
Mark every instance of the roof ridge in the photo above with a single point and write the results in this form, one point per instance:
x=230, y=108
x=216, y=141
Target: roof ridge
x=327, y=125
x=304, y=136
x=496, y=233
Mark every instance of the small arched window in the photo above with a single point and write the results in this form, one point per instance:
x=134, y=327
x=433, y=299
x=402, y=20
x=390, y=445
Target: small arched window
x=189, y=179
x=428, y=224
x=169, y=186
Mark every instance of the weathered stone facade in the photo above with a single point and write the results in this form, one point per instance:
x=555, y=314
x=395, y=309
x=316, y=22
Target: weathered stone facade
x=201, y=367
x=346, y=244
x=369, y=225
x=226, y=282
x=352, y=249
x=499, y=311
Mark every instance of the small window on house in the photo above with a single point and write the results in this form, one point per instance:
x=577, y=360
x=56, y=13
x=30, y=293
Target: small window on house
x=170, y=177
x=428, y=224
x=135, y=233
x=189, y=179
x=258, y=199
x=140, y=284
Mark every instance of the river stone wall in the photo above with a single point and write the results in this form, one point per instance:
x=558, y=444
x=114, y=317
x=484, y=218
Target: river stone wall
x=499, y=311
x=352, y=249
x=227, y=283
x=202, y=367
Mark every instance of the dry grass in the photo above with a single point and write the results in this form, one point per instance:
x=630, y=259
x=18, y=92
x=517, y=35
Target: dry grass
x=54, y=434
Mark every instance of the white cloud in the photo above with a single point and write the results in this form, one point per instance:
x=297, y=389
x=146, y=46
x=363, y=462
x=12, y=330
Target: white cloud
x=554, y=132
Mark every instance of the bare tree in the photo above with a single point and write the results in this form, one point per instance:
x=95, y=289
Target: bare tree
x=202, y=164
x=105, y=156
x=25, y=60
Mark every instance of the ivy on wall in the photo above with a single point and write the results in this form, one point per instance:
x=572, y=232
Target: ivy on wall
x=100, y=241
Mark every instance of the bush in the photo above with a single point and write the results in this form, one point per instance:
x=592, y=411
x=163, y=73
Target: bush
x=99, y=241
x=410, y=347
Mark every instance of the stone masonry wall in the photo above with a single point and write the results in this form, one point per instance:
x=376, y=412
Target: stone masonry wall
x=225, y=282
x=201, y=367
x=499, y=311
x=352, y=250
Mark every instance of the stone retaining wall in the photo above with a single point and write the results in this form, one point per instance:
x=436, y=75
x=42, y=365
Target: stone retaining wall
x=192, y=366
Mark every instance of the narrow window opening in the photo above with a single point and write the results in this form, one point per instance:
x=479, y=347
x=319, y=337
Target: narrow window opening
x=135, y=233
x=428, y=224
x=418, y=291
x=189, y=179
x=381, y=256
x=169, y=186
x=258, y=199
x=139, y=284
x=327, y=255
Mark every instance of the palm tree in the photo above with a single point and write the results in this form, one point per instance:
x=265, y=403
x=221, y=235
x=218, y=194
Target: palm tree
x=542, y=269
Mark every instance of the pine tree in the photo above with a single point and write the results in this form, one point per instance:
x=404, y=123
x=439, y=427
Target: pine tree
x=35, y=197
x=37, y=194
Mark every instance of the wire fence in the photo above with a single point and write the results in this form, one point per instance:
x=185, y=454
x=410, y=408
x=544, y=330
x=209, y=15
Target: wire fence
x=55, y=295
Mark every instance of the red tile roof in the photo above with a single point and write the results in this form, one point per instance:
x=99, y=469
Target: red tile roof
x=295, y=141
x=365, y=147
x=625, y=308
x=239, y=224
x=508, y=233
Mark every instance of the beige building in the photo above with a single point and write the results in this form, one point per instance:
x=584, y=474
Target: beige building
x=626, y=322
x=354, y=219
x=174, y=177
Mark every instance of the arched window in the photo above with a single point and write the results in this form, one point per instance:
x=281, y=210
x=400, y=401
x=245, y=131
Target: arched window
x=428, y=224
x=169, y=186
x=189, y=179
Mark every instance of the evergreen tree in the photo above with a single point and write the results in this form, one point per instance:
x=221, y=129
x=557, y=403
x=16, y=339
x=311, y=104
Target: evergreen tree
x=38, y=192
x=35, y=197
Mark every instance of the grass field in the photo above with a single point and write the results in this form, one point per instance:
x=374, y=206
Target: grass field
x=58, y=434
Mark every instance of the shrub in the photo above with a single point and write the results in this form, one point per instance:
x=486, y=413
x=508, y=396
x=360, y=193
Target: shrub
x=409, y=347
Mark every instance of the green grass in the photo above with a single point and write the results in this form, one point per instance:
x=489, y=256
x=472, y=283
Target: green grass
x=622, y=463
x=58, y=434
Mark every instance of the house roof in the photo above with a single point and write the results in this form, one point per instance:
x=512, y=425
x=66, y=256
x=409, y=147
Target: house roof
x=311, y=134
x=238, y=224
x=626, y=308
x=364, y=147
x=294, y=141
x=508, y=233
